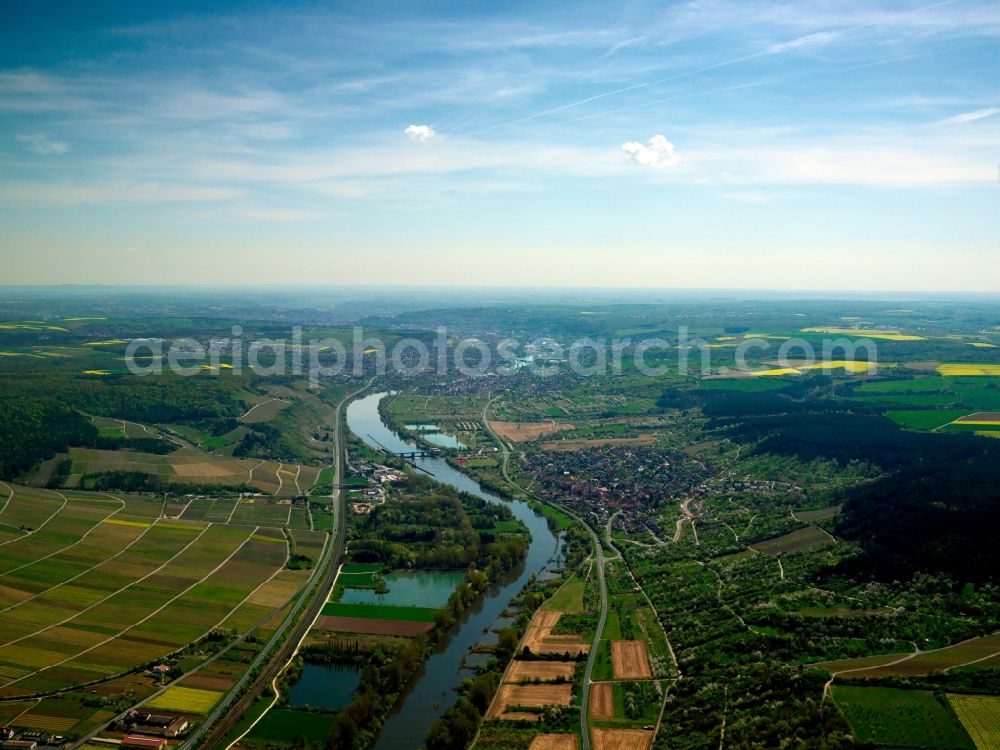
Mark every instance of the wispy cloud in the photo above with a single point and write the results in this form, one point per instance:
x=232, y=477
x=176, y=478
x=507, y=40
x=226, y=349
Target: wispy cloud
x=39, y=143
x=119, y=193
x=818, y=39
x=965, y=117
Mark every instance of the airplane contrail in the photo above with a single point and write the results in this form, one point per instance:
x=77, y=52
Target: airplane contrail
x=774, y=49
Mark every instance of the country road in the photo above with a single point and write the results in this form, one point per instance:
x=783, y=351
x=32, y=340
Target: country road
x=599, y=555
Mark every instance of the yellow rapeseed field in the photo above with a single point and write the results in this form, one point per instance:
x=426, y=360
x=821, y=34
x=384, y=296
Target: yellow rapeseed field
x=969, y=370
x=776, y=372
x=867, y=333
x=980, y=715
x=186, y=700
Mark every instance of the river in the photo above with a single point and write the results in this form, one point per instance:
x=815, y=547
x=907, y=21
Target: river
x=433, y=691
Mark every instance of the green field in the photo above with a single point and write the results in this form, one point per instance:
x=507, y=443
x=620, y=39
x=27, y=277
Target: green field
x=901, y=718
x=286, y=726
x=801, y=540
x=569, y=598
x=932, y=384
x=561, y=520
x=130, y=592
x=926, y=419
x=980, y=715
x=380, y=612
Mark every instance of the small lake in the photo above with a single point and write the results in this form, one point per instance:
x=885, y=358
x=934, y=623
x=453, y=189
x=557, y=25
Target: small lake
x=329, y=686
x=409, y=589
x=443, y=440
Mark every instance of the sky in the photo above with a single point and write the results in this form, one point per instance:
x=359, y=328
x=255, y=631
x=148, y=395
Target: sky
x=708, y=144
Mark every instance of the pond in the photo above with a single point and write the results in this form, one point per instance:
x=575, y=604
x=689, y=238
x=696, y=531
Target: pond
x=443, y=440
x=329, y=686
x=409, y=589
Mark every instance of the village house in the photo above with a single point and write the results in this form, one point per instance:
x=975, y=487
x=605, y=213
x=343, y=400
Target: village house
x=142, y=742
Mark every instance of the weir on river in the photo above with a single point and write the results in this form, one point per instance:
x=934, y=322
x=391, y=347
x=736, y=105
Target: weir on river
x=433, y=690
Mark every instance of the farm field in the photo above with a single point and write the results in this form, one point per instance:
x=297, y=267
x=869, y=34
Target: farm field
x=901, y=718
x=871, y=333
x=186, y=700
x=975, y=650
x=131, y=592
x=25, y=509
x=540, y=639
x=372, y=626
x=380, y=612
x=523, y=432
x=516, y=697
x=284, y=725
x=980, y=715
x=801, y=540
x=554, y=742
x=629, y=660
x=540, y=671
x=925, y=419
x=602, y=700
x=529, y=685
x=260, y=512
x=196, y=467
x=569, y=597
x=969, y=370
x=621, y=739
x=820, y=514
x=264, y=409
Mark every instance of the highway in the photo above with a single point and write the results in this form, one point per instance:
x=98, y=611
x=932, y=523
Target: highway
x=231, y=709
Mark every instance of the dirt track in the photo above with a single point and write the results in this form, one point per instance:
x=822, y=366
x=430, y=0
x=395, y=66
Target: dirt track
x=630, y=660
x=602, y=702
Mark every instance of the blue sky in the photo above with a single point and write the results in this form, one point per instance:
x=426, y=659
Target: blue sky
x=700, y=144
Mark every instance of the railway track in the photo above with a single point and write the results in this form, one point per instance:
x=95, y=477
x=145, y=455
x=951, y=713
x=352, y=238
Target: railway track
x=228, y=713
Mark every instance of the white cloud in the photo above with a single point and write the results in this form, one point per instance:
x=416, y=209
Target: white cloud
x=965, y=117
x=420, y=132
x=809, y=40
x=660, y=153
x=38, y=143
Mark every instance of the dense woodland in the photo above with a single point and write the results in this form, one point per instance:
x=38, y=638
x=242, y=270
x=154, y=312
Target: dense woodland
x=42, y=415
x=35, y=429
x=936, y=498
